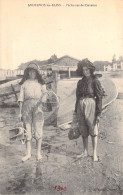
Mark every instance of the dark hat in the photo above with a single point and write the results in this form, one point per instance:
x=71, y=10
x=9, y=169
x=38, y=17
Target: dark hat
x=33, y=66
x=84, y=63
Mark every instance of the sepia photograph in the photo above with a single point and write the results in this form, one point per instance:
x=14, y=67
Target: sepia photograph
x=61, y=97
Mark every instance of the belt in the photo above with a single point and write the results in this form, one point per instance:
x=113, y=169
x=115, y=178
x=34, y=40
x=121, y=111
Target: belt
x=88, y=96
x=32, y=99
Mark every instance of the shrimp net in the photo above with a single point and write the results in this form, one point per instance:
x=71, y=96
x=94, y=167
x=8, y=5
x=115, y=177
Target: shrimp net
x=50, y=104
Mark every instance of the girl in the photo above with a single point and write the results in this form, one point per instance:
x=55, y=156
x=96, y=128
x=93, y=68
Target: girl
x=30, y=106
x=88, y=105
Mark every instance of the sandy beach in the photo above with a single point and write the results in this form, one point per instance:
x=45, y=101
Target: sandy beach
x=60, y=172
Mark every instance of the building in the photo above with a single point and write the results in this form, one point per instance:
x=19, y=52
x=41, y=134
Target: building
x=108, y=68
x=6, y=74
x=116, y=65
x=65, y=64
x=67, y=61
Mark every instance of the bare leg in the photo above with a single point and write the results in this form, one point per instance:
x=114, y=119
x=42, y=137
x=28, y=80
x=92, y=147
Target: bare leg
x=94, y=145
x=28, y=143
x=85, y=143
x=28, y=156
x=38, y=122
x=39, y=156
x=38, y=125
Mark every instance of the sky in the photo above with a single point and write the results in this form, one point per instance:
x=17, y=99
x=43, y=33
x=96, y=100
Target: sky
x=29, y=32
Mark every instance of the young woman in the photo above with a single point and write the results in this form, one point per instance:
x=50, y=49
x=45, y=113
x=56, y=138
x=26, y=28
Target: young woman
x=88, y=105
x=31, y=91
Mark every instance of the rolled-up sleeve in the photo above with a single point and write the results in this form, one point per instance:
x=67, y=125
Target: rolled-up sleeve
x=99, y=93
x=21, y=95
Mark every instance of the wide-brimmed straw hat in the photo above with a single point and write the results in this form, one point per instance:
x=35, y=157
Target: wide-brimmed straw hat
x=33, y=66
x=84, y=63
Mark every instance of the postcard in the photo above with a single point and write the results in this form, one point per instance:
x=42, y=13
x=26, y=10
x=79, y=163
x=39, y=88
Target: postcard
x=61, y=97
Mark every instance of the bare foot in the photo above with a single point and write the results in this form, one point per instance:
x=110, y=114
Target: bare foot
x=26, y=157
x=95, y=159
x=39, y=157
x=84, y=154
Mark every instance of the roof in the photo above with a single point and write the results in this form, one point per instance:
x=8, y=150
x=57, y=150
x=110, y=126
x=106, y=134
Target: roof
x=66, y=56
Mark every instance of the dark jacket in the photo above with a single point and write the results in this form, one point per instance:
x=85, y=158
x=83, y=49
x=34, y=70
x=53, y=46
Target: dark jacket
x=90, y=87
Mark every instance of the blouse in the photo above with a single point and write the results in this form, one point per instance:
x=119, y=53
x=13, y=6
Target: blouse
x=90, y=87
x=31, y=89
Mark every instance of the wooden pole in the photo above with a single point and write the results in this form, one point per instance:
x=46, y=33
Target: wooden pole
x=69, y=74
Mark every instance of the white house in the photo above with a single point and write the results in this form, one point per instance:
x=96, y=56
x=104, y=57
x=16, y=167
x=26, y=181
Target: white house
x=115, y=65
